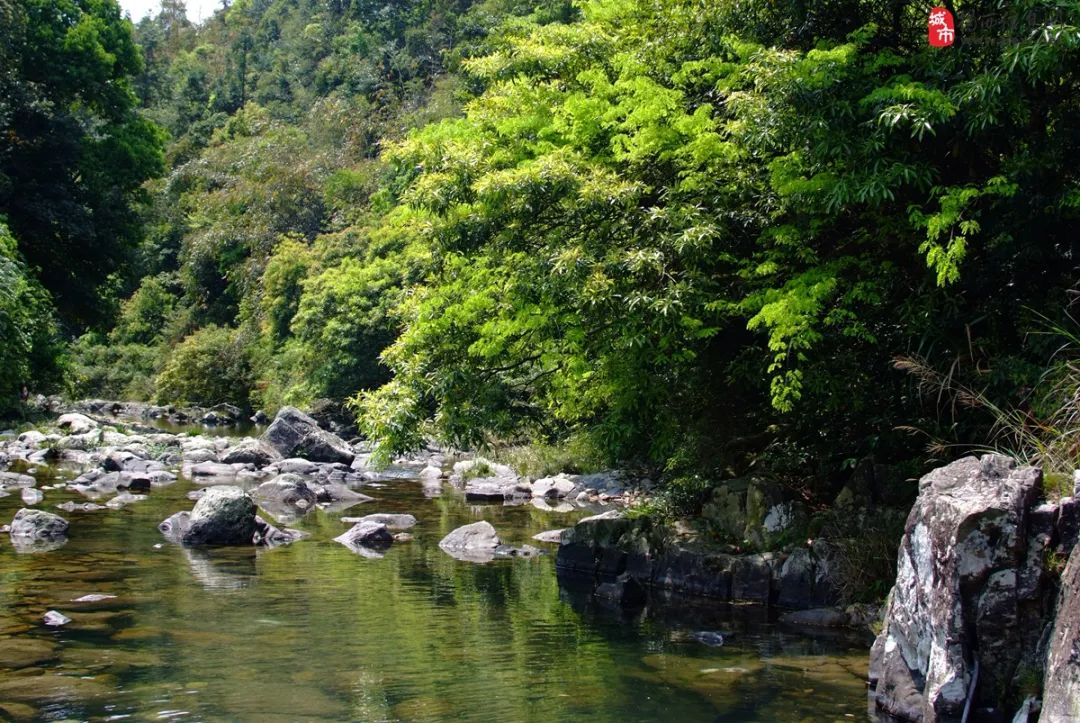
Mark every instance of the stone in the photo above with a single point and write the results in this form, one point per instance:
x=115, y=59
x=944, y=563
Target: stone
x=31, y=496
x=55, y=619
x=251, y=451
x=286, y=490
x=1061, y=687
x=392, y=521
x=175, y=526
x=75, y=423
x=38, y=525
x=553, y=487
x=295, y=434
x=366, y=535
x=472, y=543
x=79, y=506
x=211, y=469
x=296, y=465
x=553, y=536
x=955, y=598
x=14, y=480
x=93, y=598
x=708, y=637
x=224, y=516
x=269, y=536
x=260, y=418
x=123, y=500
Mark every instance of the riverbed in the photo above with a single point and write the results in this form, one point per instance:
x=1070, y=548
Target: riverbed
x=313, y=631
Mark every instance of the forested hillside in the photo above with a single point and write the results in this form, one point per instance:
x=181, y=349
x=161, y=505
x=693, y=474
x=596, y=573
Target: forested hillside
x=693, y=235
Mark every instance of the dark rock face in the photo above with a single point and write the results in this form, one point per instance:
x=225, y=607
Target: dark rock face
x=295, y=434
x=225, y=515
x=969, y=587
x=604, y=547
x=38, y=525
x=1061, y=691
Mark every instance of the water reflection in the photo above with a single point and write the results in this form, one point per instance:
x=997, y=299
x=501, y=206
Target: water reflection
x=312, y=631
x=222, y=568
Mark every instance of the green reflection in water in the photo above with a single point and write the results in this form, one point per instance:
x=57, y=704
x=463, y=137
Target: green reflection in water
x=315, y=632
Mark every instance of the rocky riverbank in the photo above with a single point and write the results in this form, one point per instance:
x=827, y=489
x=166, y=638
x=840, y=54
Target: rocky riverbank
x=252, y=487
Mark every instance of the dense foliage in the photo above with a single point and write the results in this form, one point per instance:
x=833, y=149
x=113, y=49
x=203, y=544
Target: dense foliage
x=74, y=152
x=690, y=234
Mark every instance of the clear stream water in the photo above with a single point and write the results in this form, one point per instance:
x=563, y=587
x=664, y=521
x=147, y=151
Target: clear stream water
x=314, y=632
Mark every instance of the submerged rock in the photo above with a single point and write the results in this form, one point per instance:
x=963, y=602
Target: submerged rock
x=38, y=525
x=224, y=516
x=472, y=543
x=295, y=434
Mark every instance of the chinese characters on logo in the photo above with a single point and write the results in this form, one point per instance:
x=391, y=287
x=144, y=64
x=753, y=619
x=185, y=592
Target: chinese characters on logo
x=941, y=31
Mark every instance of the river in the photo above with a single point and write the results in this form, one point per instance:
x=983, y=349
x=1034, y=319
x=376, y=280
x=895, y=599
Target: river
x=314, y=632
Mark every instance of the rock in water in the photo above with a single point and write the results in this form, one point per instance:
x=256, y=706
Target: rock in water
x=224, y=516
x=966, y=590
x=287, y=497
x=1061, y=690
x=251, y=451
x=175, y=526
x=55, y=619
x=38, y=525
x=392, y=521
x=93, y=598
x=708, y=637
x=366, y=534
x=472, y=543
x=31, y=496
x=295, y=434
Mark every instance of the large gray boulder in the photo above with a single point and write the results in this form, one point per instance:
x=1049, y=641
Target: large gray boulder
x=295, y=434
x=966, y=588
x=1061, y=690
x=38, y=525
x=225, y=515
x=472, y=543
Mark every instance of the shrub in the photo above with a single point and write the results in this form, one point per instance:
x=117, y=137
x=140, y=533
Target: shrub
x=211, y=366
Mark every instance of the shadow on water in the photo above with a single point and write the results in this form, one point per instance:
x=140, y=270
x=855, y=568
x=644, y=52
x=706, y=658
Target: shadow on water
x=313, y=631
